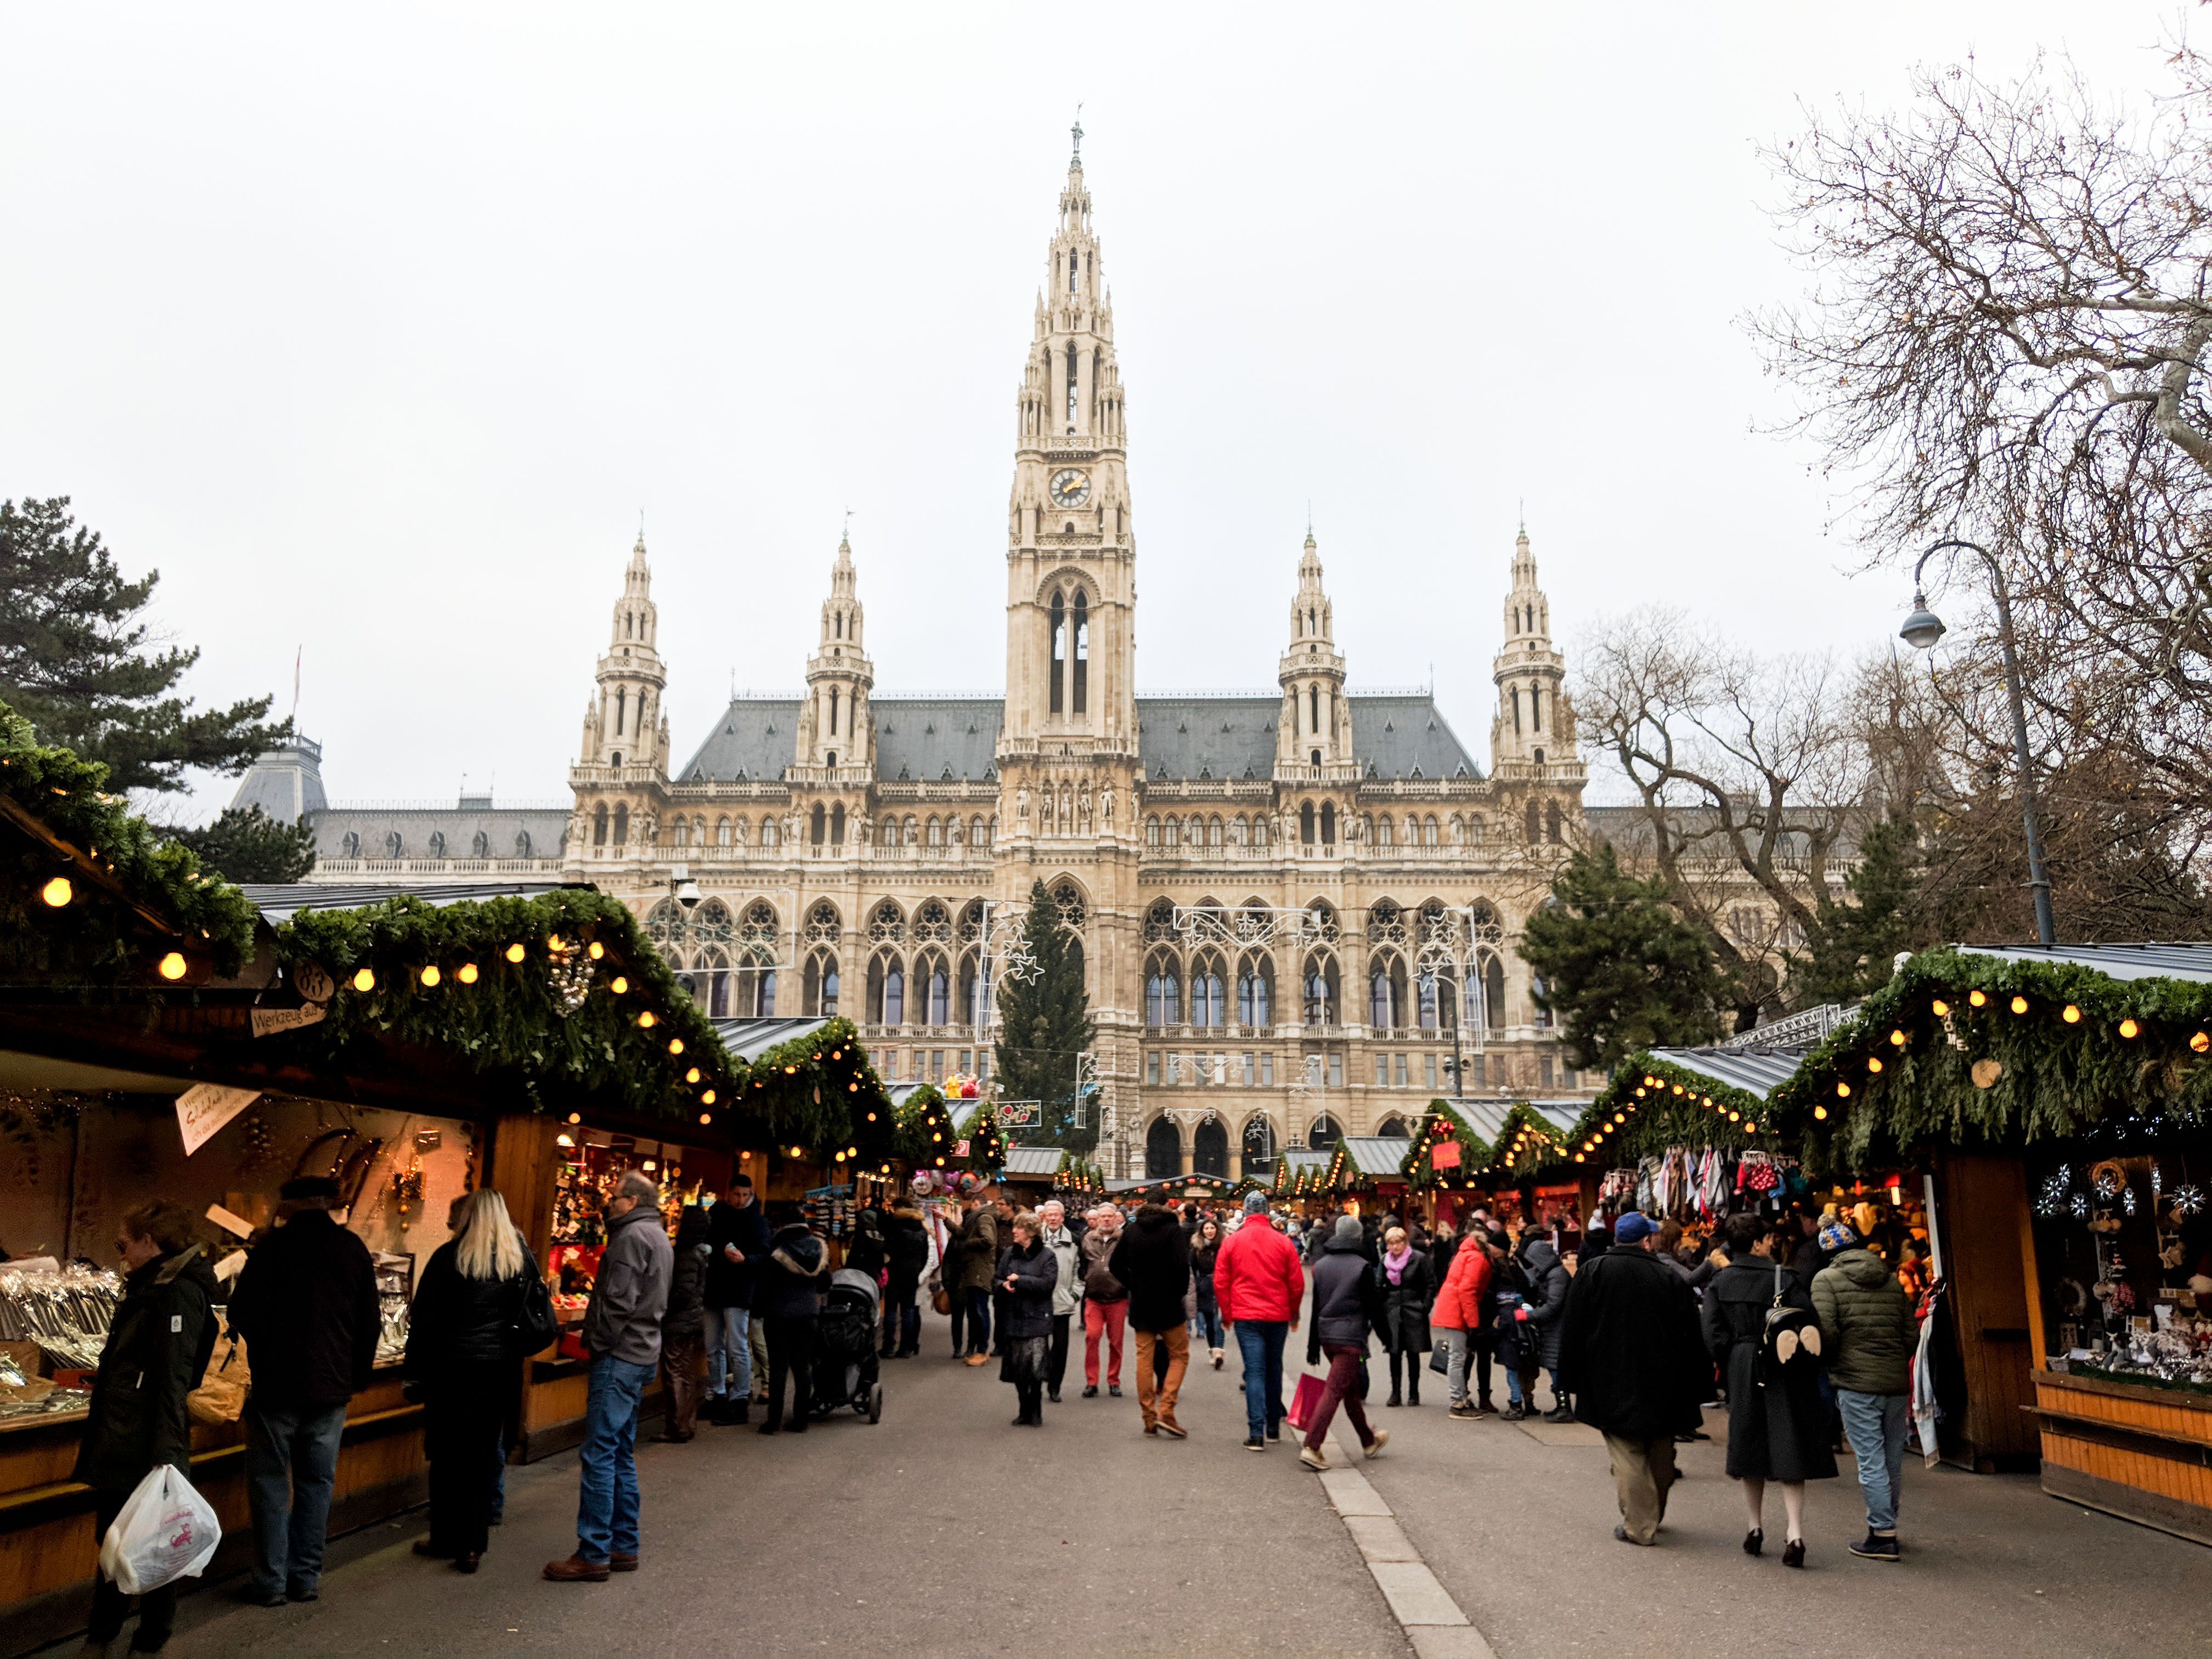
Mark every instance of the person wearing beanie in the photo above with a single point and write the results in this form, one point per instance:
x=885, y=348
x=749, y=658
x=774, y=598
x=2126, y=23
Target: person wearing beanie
x=1259, y=1284
x=1870, y=1335
x=1348, y=1304
x=1633, y=1359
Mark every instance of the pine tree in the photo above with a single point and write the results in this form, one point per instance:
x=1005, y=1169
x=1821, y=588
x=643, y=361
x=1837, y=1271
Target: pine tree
x=1850, y=948
x=250, y=846
x=1044, y=1024
x=1621, y=969
x=74, y=660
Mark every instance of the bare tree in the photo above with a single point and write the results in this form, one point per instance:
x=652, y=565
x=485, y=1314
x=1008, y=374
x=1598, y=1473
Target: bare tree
x=2007, y=339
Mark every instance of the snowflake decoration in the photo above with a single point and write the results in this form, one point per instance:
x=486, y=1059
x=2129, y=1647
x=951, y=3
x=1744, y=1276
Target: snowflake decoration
x=2157, y=1181
x=2080, y=1205
x=2189, y=1198
x=2108, y=1184
x=2051, y=1200
x=2128, y=1200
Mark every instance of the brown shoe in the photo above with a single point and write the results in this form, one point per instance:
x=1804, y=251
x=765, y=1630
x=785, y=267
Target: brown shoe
x=576, y=1570
x=1169, y=1426
x=621, y=1563
x=978, y=1359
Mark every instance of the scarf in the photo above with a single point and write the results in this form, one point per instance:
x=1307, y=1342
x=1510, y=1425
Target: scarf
x=1394, y=1262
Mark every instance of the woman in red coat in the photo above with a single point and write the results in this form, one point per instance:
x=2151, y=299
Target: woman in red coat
x=1461, y=1319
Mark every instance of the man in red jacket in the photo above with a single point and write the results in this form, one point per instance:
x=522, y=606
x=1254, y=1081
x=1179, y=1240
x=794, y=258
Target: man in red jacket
x=1260, y=1286
x=1458, y=1317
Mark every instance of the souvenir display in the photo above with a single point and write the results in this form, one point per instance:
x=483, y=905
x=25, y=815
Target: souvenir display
x=2125, y=1252
x=66, y=1312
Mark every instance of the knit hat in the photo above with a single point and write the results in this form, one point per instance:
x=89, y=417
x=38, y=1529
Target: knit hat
x=1633, y=1227
x=1348, y=1230
x=1256, y=1204
x=1838, y=1234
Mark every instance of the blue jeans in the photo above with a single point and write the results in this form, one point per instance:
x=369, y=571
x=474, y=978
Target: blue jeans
x=1513, y=1385
x=499, y=1475
x=1206, y=1327
x=729, y=1352
x=979, y=1320
x=291, y=1461
x=606, y=1512
x=1874, y=1425
x=1259, y=1342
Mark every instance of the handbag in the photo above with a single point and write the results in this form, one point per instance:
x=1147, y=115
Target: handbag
x=940, y=1300
x=1305, y=1401
x=1790, y=1336
x=537, y=1327
x=1437, y=1362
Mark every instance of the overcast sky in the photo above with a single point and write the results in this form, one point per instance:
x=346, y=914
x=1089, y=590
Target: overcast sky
x=376, y=335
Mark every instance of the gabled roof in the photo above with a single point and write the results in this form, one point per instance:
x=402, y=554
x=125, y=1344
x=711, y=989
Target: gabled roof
x=1375, y=1155
x=1754, y=1070
x=1035, y=1160
x=281, y=901
x=748, y=1039
x=2145, y=961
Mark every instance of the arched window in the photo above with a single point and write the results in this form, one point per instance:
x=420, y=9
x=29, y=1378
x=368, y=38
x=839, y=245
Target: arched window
x=1259, y=830
x=769, y=833
x=887, y=992
x=522, y=843
x=1209, y=1001
x=967, y=987
x=1379, y=1011
x=1152, y=831
x=1078, y=696
x=833, y=711
x=939, y=991
x=1162, y=994
x=1162, y=1150
x=621, y=699
x=821, y=985
x=1255, y=992
x=621, y=824
x=714, y=974
x=1059, y=639
x=1493, y=994
x=1328, y=823
x=1213, y=831
x=1209, y=1148
x=1321, y=991
x=1259, y=1148
x=1536, y=709
x=1553, y=820
x=837, y=824
x=1306, y=823
x=1535, y=823
x=1171, y=832
x=437, y=843
x=599, y=824
x=1394, y=1128
x=352, y=844
x=935, y=831
x=1434, y=1002
x=1429, y=831
x=1324, y=1132
x=1313, y=709
x=1071, y=351
x=818, y=823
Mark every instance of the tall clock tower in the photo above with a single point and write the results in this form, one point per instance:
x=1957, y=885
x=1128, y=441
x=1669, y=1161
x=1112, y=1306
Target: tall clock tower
x=1067, y=756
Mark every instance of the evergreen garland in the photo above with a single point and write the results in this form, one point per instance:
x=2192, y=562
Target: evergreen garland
x=2134, y=1048
x=93, y=941
x=1661, y=1104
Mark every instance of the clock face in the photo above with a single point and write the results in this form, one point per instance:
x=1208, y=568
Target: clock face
x=1071, y=487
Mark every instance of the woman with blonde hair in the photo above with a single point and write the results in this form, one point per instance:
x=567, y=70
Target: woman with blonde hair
x=464, y=1343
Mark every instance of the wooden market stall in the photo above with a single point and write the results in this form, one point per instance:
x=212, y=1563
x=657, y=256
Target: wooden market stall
x=1301, y=1176
x=1509, y=1155
x=1369, y=1170
x=2053, y=1101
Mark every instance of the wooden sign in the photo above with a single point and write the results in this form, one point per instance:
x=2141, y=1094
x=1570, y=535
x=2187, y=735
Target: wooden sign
x=313, y=983
x=205, y=1108
x=267, y=1022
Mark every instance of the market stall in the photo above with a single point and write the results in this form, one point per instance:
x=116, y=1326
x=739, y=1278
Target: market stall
x=1370, y=1171
x=2053, y=1101
x=1507, y=1156
x=1301, y=1176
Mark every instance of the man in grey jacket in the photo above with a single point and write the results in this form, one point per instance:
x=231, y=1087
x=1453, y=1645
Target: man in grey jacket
x=1067, y=1291
x=1870, y=1335
x=622, y=1334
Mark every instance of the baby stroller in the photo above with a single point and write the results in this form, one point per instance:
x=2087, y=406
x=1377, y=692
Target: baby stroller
x=845, y=1352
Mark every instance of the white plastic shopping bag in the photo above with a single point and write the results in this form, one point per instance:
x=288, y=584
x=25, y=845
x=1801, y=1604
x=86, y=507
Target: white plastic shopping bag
x=165, y=1531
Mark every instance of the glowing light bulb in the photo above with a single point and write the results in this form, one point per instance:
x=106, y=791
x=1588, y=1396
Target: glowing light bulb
x=57, y=892
x=431, y=975
x=172, y=966
x=364, y=980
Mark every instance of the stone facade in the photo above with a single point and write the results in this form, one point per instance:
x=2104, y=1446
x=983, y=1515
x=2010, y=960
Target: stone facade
x=1293, y=906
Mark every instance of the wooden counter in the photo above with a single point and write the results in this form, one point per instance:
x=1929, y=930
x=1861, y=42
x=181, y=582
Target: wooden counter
x=47, y=1549
x=2142, y=1453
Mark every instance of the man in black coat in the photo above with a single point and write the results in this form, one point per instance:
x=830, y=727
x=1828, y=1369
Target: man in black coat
x=1153, y=1260
x=1633, y=1357
x=306, y=1303
x=736, y=1240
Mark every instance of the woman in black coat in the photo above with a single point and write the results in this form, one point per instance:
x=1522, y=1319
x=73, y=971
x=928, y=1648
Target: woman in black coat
x=1407, y=1281
x=463, y=1346
x=157, y=1350
x=683, y=1328
x=1027, y=1272
x=1777, y=1426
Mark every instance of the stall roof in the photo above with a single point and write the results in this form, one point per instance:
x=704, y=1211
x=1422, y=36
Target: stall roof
x=281, y=901
x=1307, y=1158
x=2149, y=960
x=1754, y=1070
x=748, y=1040
x=1487, y=1116
x=1376, y=1155
x=1034, y=1160
x=963, y=1113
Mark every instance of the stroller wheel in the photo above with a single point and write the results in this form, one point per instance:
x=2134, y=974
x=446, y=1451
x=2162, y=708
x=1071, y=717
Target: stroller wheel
x=876, y=1403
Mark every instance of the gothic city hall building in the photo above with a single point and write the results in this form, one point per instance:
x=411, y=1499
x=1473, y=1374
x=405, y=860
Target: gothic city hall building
x=1296, y=911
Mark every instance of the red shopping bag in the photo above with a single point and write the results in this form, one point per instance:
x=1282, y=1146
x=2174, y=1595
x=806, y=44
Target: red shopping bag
x=1305, y=1401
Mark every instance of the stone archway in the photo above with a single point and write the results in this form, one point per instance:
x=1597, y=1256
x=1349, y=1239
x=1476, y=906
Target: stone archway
x=1162, y=1150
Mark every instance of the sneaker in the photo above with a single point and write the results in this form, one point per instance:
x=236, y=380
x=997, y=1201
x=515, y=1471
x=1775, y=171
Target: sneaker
x=1313, y=1457
x=978, y=1359
x=1514, y=1413
x=1374, y=1447
x=1876, y=1547
x=1169, y=1426
x=1254, y=1442
x=1217, y=1360
x=1466, y=1411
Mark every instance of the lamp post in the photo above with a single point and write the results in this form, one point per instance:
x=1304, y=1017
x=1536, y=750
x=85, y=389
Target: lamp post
x=1921, y=630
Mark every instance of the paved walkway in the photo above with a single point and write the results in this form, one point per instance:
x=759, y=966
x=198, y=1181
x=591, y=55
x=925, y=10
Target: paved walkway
x=943, y=1531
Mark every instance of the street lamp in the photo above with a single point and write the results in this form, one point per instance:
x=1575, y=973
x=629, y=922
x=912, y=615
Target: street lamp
x=1921, y=630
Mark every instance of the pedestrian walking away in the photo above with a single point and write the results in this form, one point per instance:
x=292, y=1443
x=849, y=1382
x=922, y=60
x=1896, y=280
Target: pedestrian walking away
x=1105, y=1302
x=1409, y=1291
x=622, y=1334
x=159, y=1342
x=1348, y=1304
x=464, y=1353
x=787, y=1300
x=1260, y=1284
x=1868, y=1334
x=683, y=1326
x=1153, y=1260
x=1633, y=1358
x=736, y=1240
x=1067, y=1291
x=1777, y=1424
x=1028, y=1272
x=306, y=1305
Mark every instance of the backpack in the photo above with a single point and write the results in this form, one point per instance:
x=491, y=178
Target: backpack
x=1790, y=1337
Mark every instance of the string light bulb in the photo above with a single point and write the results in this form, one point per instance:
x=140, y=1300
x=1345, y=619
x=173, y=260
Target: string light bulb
x=1874, y=1062
x=1897, y=1039
x=363, y=980
x=466, y=973
x=1942, y=1007
x=691, y=1076
x=2129, y=1028
x=2070, y=1014
x=706, y=1099
x=515, y=952
x=597, y=950
x=618, y=985
x=647, y=1020
x=57, y=892
x=553, y=944
x=2020, y=1005
x=172, y=966
x=431, y=975
x=1975, y=1000
x=676, y=1045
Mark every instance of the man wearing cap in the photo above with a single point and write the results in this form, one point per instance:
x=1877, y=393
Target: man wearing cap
x=1632, y=1358
x=1259, y=1284
x=306, y=1305
x=1869, y=1333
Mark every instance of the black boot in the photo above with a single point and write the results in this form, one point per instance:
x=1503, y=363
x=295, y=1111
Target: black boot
x=740, y=1413
x=1412, y=1393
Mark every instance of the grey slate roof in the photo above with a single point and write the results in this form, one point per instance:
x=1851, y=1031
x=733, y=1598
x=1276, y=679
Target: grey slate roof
x=509, y=832
x=919, y=739
x=748, y=1039
x=1375, y=1155
x=1034, y=1160
x=1487, y=1116
x=281, y=901
x=286, y=782
x=1754, y=1070
x=2145, y=961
